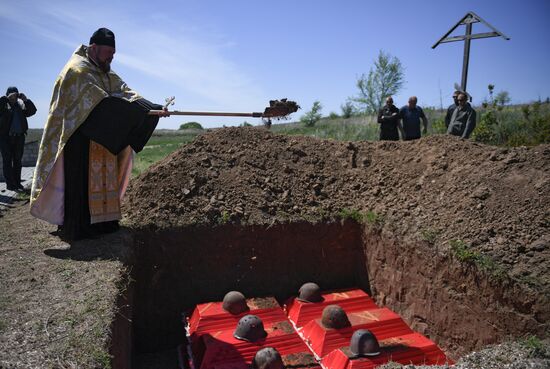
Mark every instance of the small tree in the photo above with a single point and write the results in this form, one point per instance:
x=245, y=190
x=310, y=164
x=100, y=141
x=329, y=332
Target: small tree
x=503, y=98
x=191, y=125
x=312, y=116
x=385, y=79
x=348, y=109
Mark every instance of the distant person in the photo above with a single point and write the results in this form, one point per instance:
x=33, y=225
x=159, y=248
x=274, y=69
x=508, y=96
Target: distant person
x=463, y=119
x=85, y=158
x=451, y=108
x=411, y=115
x=388, y=117
x=15, y=108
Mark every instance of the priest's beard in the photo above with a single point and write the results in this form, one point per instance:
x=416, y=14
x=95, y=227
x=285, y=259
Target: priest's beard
x=104, y=66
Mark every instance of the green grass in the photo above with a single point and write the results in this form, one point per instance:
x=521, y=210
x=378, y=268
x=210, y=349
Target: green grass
x=373, y=219
x=513, y=125
x=23, y=196
x=370, y=217
x=159, y=146
x=429, y=235
x=224, y=218
x=352, y=214
x=354, y=129
x=537, y=349
x=466, y=255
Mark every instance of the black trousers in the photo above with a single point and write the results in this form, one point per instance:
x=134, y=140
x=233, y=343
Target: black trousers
x=389, y=134
x=12, y=148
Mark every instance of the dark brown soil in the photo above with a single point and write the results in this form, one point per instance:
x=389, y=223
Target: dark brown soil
x=479, y=199
x=280, y=108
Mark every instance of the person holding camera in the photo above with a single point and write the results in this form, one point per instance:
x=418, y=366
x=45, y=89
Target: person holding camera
x=15, y=108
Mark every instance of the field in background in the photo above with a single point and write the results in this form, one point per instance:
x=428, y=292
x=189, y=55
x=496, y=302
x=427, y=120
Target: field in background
x=515, y=125
x=162, y=143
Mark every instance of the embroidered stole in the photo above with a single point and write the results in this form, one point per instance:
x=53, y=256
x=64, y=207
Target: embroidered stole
x=103, y=191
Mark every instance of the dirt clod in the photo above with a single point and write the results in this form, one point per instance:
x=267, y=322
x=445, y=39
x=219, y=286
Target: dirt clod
x=280, y=108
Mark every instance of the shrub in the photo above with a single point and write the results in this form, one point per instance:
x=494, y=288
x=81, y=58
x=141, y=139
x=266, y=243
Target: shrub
x=527, y=125
x=438, y=125
x=191, y=125
x=348, y=109
x=312, y=116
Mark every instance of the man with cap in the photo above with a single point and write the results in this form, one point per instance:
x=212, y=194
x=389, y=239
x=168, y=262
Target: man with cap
x=451, y=108
x=15, y=108
x=463, y=118
x=95, y=124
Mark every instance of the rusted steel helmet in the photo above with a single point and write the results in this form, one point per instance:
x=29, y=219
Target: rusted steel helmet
x=310, y=292
x=267, y=358
x=364, y=343
x=234, y=303
x=250, y=328
x=335, y=317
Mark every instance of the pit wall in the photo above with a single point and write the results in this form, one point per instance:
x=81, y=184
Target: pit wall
x=178, y=269
x=456, y=305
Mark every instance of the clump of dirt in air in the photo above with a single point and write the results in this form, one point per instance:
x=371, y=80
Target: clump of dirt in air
x=280, y=108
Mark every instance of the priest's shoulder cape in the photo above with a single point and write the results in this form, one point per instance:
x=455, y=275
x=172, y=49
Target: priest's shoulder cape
x=80, y=86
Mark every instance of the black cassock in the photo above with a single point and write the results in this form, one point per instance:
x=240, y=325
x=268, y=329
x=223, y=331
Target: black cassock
x=114, y=123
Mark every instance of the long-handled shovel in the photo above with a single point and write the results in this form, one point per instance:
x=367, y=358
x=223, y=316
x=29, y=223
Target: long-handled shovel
x=276, y=109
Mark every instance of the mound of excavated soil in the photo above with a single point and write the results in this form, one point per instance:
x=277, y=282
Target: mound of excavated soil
x=439, y=189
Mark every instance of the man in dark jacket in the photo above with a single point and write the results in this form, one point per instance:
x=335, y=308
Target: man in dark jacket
x=451, y=109
x=463, y=119
x=15, y=107
x=388, y=117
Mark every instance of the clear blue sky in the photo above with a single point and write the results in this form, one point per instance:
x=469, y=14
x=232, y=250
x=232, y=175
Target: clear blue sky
x=237, y=55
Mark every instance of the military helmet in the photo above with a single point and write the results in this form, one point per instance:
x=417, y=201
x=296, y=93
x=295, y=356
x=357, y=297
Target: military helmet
x=234, y=303
x=267, y=358
x=364, y=343
x=335, y=317
x=310, y=292
x=250, y=328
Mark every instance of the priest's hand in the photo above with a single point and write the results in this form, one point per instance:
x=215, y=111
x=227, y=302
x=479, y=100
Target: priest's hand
x=164, y=112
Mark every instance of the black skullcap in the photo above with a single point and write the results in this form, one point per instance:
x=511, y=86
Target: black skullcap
x=103, y=36
x=11, y=89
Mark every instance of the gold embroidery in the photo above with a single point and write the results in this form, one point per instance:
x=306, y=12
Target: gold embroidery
x=103, y=191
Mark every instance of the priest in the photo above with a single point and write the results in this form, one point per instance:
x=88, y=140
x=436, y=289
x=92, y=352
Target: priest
x=95, y=125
